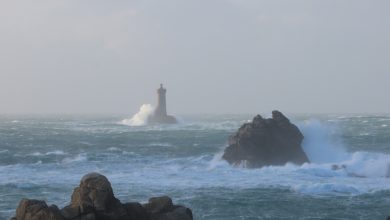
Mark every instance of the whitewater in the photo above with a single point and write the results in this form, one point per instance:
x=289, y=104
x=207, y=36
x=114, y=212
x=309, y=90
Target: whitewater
x=44, y=157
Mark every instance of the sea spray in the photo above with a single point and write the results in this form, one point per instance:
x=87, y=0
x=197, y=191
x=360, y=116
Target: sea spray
x=323, y=145
x=141, y=117
x=217, y=161
x=328, y=156
x=321, y=142
x=368, y=164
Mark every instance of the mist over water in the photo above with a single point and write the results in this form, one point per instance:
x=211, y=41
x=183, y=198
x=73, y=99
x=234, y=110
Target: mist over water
x=44, y=158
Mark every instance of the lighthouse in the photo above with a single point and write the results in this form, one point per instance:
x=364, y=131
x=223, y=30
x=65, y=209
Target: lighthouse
x=161, y=109
x=160, y=115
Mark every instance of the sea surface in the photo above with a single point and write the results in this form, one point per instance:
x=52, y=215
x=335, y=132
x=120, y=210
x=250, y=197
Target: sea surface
x=44, y=157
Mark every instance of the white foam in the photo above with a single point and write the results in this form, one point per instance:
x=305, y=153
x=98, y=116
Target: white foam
x=114, y=149
x=79, y=158
x=217, y=161
x=36, y=154
x=366, y=164
x=156, y=144
x=56, y=152
x=364, y=172
x=128, y=153
x=319, y=144
x=4, y=151
x=203, y=171
x=141, y=117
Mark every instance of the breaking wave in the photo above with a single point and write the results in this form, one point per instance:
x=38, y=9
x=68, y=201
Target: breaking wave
x=322, y=144
x=141, y=117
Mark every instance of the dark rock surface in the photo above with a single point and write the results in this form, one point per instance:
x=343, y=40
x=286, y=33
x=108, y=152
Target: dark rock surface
x=264, y=142
x=94, y=199
x=163, y=208
x=36, y=210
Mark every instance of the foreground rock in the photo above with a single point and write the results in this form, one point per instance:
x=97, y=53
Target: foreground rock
x=94, y=199
x=264, y=142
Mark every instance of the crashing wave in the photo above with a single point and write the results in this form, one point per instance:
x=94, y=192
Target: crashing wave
x=141, y=117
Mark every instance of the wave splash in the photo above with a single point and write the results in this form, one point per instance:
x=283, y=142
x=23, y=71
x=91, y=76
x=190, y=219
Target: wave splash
x=322, y=144
x=333, y=169
x=141, y=117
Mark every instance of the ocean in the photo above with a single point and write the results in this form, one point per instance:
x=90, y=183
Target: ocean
x=44, y=157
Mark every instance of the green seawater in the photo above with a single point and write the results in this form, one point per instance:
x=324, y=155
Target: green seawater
x=44, y=157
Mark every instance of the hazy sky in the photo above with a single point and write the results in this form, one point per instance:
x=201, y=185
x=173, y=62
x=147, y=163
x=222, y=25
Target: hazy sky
x=214, y=56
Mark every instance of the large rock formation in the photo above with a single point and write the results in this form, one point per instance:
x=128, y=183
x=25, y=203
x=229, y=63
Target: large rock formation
x=94, y=199
x=160, y=115
x=264, y=142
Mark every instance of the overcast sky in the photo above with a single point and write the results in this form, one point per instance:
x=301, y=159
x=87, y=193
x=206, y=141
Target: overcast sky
x=214, y=56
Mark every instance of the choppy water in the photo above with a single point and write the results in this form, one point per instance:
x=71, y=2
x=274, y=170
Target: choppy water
x=45, y=157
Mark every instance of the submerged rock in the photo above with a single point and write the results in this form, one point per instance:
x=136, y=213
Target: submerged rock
x=344, y=168
x=265, y=142
x=94, y=199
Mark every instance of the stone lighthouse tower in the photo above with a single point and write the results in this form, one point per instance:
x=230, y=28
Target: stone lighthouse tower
x=160, y=115
x=161, y=109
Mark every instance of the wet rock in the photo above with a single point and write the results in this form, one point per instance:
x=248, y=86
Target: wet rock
x=136, y=211
x=179, y=213
x=31, y=209
x=162, y=208
x=265, y=142
x=94, y=199
x=339, y=167
x=344, y=168
x=159, y=204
